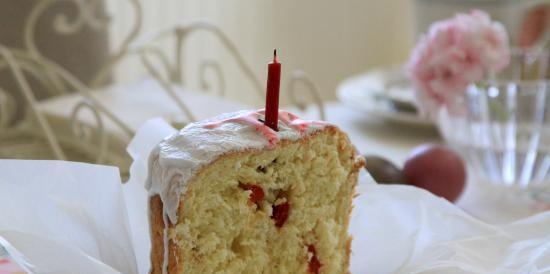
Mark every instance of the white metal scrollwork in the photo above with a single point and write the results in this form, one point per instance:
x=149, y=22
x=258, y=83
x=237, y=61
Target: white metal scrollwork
x=215, y=67
x=175, y=72
x=86, y=92
x=89, y=102
x=29, y=66
x=166, y=85
x=122, y=50
x=57, y=80
x=7, y=108
x=184, y=31
x=181, y=33
x=86, y=16
x=85, y=131
x=31, y=100
x=298, y=77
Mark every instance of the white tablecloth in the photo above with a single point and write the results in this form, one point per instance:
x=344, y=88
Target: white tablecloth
x=137, y=103
x=394, y=142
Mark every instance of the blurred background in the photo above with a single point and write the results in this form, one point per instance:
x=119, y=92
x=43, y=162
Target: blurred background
x=79, y=77
x=328, y=40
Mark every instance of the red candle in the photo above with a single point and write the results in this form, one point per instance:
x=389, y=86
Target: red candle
x=272, y=97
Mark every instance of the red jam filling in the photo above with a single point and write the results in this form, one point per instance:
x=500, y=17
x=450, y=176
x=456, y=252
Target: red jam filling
x=314, y=263
x=257, y=193
x=280, y=214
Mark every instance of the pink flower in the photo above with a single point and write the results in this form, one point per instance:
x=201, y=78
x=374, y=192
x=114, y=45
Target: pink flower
x=455, y=53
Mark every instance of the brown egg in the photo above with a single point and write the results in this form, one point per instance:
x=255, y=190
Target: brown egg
x=437, y=169
x=383, y=171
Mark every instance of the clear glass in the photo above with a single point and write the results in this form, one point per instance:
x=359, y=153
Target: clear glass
x=502, y=126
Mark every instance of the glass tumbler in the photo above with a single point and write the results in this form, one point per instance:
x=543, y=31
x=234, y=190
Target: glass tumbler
x=502, y=126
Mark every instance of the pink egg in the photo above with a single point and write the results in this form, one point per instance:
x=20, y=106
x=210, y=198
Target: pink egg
x=437, y=169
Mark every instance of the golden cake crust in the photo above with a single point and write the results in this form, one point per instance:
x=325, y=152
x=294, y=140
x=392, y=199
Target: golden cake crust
x=157, y=240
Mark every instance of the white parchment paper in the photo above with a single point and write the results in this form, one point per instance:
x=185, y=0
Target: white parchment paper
x=63, y=217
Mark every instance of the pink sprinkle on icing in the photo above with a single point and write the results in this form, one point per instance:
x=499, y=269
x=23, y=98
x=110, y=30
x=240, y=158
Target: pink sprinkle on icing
x=255, y=119
x=296, y=123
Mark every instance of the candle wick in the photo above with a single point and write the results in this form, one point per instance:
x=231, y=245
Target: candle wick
x=275, y=55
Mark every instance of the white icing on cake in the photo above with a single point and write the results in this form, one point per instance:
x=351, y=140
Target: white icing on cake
x=180, y=156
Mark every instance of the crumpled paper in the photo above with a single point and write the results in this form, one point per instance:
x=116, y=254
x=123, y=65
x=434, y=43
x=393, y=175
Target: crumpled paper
x=64, y=217
x=402, y=229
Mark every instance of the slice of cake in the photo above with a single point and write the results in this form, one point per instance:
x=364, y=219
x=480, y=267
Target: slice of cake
x=231, y=195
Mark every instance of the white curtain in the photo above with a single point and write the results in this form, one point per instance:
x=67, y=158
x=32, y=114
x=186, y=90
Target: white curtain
x=330, y=40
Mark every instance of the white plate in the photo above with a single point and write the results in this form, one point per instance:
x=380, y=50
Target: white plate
x=369, y=93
